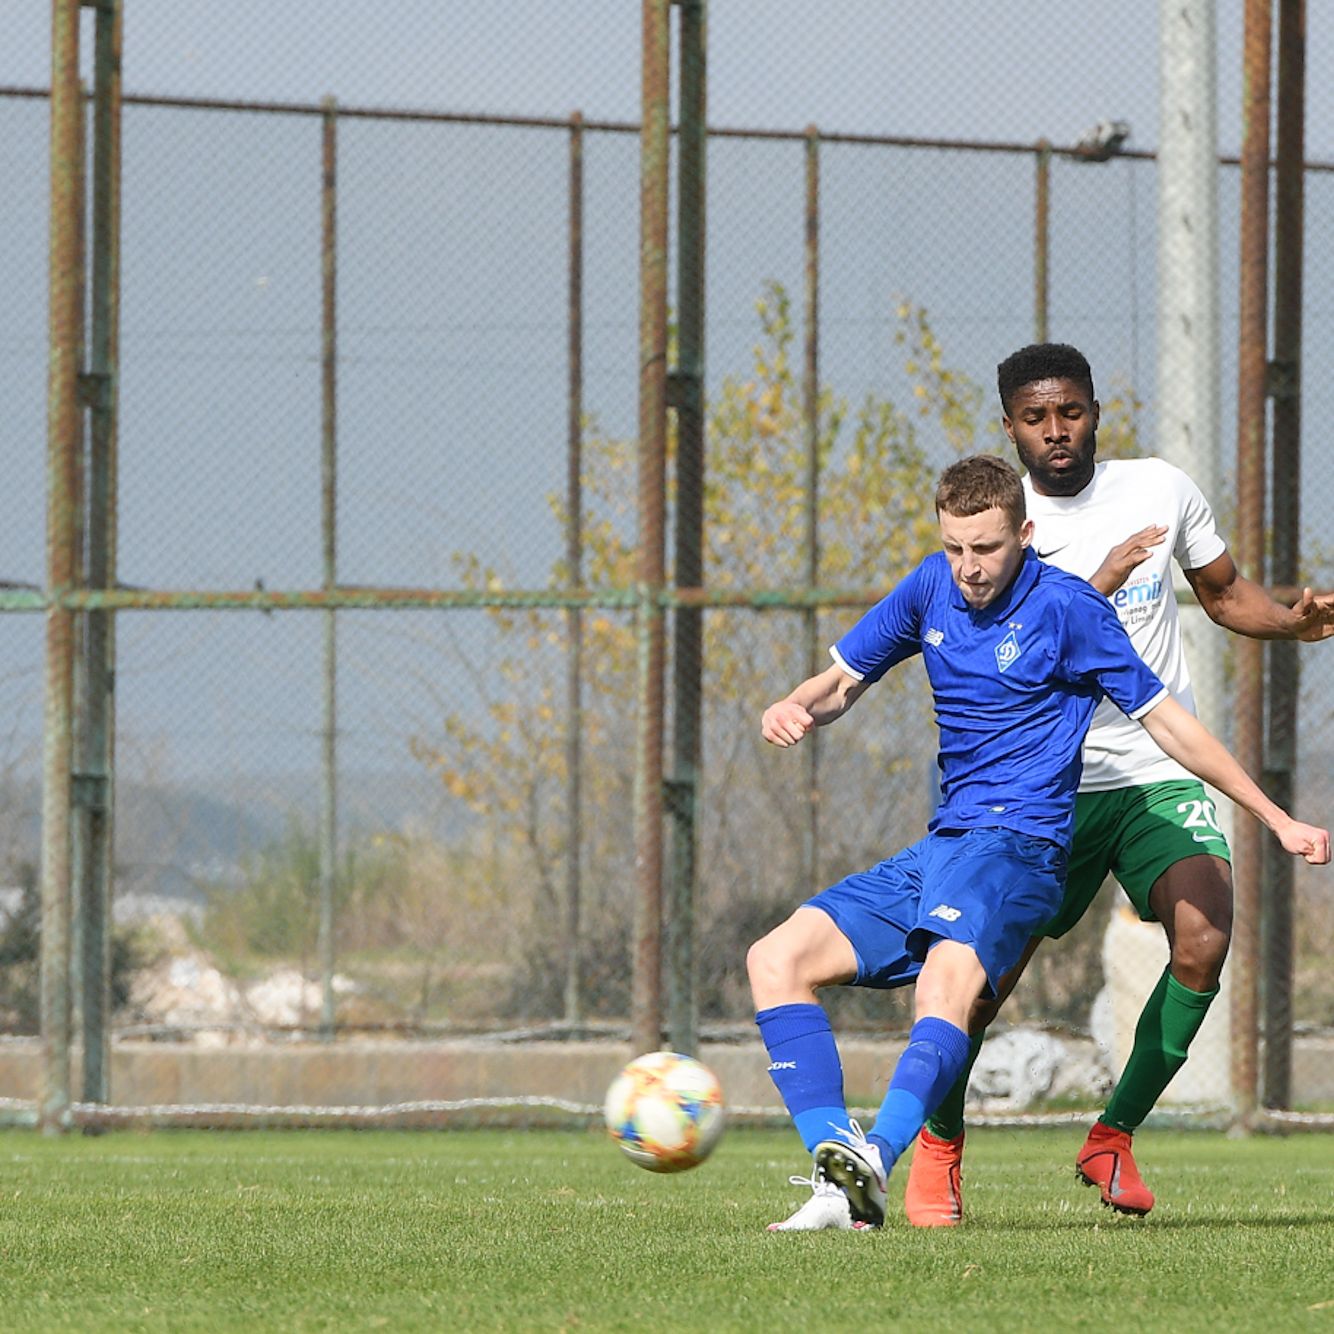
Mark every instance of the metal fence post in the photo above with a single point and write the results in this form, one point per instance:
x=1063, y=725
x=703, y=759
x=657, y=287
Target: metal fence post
x=646, y=1017
x=1041, y=239
x=574, y=557
x=1285, y=528
x=688, y=399
x=810, y=408
x=94, y=789
x=81, y=793
x=329, y=533
x=1251, y=379
x=63, y=434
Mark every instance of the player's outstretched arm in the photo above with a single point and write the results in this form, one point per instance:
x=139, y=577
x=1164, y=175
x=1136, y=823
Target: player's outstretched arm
x=1313, y=616
x=1182, y=736
x=816, y=701
x=1243, y=607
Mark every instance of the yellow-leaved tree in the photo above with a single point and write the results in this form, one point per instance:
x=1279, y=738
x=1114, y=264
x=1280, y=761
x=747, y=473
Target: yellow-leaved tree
x=877, y=465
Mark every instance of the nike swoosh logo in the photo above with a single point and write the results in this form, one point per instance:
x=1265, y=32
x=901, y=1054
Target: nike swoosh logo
x=1207, y=838
x=1042, y=555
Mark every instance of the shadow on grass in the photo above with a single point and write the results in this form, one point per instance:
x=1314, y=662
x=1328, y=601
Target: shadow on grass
x=1070, y=1221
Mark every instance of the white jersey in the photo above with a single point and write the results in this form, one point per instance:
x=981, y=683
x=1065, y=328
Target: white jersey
x=1075, y=533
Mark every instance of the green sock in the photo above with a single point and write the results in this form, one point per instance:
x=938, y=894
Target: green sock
x=946, y=1122
x=1169, y=1021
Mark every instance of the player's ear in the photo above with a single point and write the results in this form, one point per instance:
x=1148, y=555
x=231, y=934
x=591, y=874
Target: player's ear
x=1025, y=532
x=1009, y=426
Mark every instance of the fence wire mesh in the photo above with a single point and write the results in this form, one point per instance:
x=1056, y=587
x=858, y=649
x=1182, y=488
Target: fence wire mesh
x=482, y=884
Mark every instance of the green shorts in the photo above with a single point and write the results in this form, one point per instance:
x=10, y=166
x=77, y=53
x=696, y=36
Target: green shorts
x=1135, y=834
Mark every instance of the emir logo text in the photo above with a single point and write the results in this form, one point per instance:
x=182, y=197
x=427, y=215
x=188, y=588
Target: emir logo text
x=1139, y=593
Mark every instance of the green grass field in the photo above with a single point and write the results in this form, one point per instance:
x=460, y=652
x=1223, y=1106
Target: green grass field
x=554, y=1230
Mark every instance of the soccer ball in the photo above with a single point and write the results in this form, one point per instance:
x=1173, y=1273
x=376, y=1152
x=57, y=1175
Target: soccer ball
x=665, y=1110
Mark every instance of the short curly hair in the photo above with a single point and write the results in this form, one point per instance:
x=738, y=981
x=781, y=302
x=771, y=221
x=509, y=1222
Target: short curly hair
x=979, y=483
x=1041, y=361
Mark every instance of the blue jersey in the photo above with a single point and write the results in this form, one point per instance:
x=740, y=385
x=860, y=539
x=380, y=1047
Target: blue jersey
x=1014, y=684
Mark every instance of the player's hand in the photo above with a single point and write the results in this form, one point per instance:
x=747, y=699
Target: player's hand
x=785, y=723
x=1124, y=556
x=1313, y=617
x=1305, y=840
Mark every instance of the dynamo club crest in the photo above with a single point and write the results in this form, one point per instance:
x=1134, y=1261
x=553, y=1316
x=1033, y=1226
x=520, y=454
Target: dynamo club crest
x=1007, y=651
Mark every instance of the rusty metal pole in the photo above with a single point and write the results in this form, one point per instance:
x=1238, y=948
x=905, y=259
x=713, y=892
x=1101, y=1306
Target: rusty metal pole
x=574, y=557
x=810, y=409
x=329, y=536
x=647, y=1010
x=1041, y=239
x=1250, y=549
x=1285, y=527
x=94, y=786
x=687, y=397
x=63, y=434
x=80, y=828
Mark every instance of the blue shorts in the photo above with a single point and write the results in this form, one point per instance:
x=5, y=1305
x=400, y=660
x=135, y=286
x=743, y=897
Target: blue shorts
x=989, y=889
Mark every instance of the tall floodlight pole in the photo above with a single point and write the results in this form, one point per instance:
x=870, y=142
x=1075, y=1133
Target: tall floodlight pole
x=1188, y=338
x=1188, y=367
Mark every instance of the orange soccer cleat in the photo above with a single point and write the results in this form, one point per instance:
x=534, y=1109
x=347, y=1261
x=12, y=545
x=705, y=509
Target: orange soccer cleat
x=1107, y=1162
x=934, y=1193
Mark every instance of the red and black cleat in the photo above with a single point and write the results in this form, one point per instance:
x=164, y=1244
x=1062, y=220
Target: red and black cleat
x=1107, y=1162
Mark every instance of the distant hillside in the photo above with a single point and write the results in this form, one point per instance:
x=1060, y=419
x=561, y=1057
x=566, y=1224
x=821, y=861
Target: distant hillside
x=173, y=839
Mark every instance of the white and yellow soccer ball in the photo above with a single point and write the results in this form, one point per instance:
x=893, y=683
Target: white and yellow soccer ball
x=665, y=1110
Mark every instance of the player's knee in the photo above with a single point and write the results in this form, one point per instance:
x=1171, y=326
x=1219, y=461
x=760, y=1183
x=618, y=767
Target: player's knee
x=947, y=994
x=952, y=967
x=769, y=965
x=1198, y=954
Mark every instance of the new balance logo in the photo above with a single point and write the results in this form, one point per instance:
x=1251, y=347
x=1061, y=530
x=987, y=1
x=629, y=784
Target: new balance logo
x=945, y=912
x=934, y=637
x=783, y=1065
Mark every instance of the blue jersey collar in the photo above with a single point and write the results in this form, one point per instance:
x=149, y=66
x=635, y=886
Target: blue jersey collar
x=1025, y=577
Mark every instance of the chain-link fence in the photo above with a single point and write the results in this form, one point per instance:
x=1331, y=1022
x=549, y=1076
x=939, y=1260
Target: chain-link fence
x=390, y=353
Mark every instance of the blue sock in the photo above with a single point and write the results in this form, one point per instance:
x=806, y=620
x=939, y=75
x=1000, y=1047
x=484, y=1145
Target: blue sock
x=805, y=1068
x=936, y=1053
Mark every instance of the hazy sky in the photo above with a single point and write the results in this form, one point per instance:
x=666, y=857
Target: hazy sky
x=452, y=293
x=970, y=68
